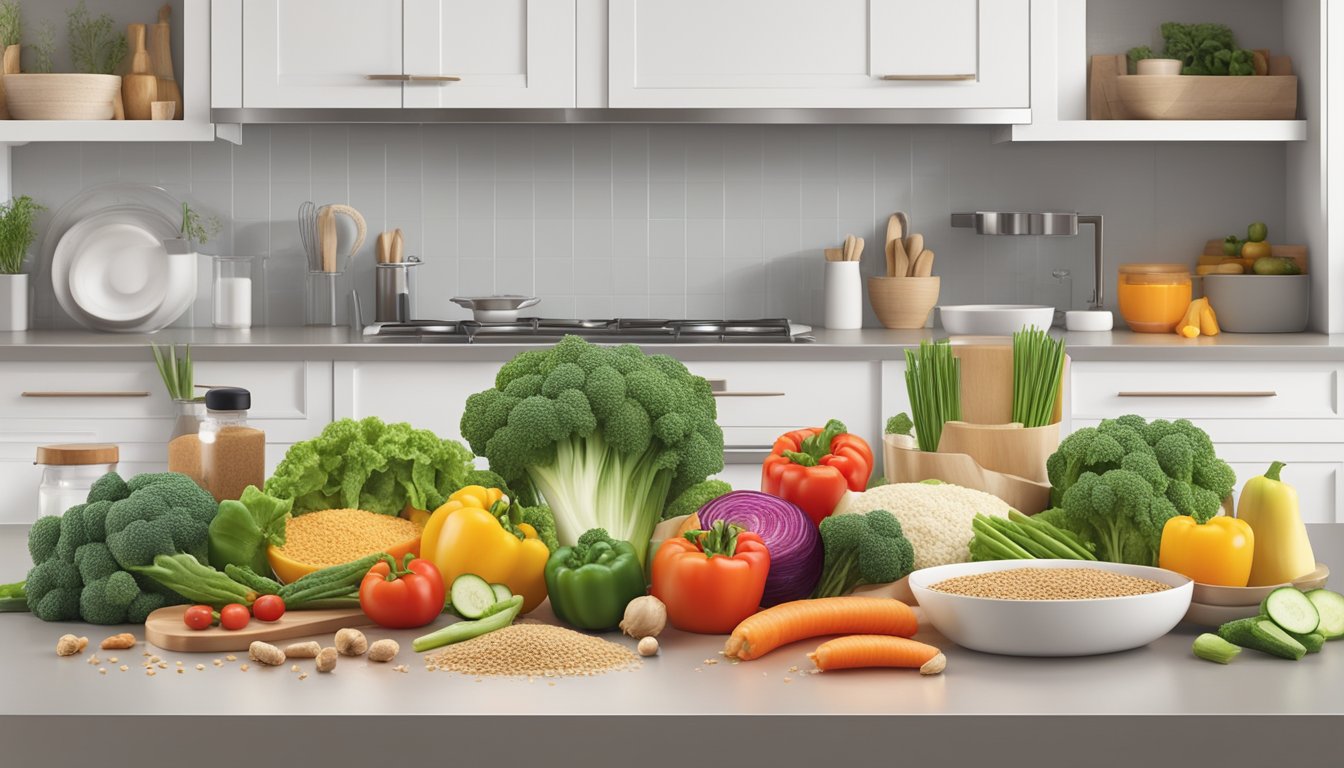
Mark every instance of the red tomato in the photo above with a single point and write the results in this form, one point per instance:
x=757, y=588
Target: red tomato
x=412, y=597
x=199, y=617
x=234, y=616
x=268, y=608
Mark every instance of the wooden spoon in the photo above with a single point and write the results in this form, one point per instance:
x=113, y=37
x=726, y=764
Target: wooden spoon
x=894, y=232
x=858, y=249
x=834, y=254
x=900, y=260
x=914, y=245
x=326, y=239
x=398, y=244
x=923, y=266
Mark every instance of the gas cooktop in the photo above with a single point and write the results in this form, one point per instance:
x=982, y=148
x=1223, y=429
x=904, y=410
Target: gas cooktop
x=532, y=330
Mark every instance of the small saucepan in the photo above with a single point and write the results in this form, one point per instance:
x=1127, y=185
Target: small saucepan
x=495, y=309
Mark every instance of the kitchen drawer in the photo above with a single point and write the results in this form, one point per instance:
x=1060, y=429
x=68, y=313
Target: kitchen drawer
x=124, y=402
x=1234, y=402
x=428, y=395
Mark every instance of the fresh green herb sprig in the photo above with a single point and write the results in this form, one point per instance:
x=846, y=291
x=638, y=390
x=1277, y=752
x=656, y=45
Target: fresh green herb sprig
x=96, y=47
x=43, y=48
x=198, y=229
x=933, y=383
x=16, y=232
x=176, y=372
x=1038, y=368
x=11, y=23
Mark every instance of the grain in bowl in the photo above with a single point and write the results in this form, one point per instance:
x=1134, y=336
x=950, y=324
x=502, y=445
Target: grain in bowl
x=1049, y=584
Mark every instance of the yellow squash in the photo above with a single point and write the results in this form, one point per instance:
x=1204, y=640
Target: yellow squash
x=1217, y=552
x=473, y=533
x=1282, y=549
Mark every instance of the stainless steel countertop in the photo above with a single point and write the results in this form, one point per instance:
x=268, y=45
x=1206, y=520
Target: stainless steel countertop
x=866, y=344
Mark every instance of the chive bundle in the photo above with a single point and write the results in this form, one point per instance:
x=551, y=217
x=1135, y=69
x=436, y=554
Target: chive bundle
x=176, y=372
x=933, y=382
x=1038, y=368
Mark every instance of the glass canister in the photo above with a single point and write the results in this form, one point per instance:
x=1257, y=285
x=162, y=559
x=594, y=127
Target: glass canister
x=232, y=292
x=68, y=472
x=1153, y=297
x=227, y=454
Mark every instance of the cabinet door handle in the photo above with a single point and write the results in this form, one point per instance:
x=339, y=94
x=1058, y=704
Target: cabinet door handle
x=931, y=78
x=751, y=454
x=84, y=394
x=416, y=78
x=1260, y=393
x=719, y=388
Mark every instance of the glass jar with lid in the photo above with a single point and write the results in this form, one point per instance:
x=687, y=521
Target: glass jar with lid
x=1153, y=297
x=69, y=470
x=227, y=454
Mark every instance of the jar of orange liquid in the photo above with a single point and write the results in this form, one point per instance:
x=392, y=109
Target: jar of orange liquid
x=1153, y=297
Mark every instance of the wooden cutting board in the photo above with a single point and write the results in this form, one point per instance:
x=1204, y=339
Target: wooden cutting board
x=164, y=628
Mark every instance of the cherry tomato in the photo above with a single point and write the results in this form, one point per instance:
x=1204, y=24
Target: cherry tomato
x=234, y=616
x=268, y=608
x=199, y=617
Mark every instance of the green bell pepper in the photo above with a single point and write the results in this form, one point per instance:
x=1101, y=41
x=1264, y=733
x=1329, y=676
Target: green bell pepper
x=591, y=582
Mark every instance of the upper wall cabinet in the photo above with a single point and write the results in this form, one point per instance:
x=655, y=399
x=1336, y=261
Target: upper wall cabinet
x=407, y=53
x=819, y=53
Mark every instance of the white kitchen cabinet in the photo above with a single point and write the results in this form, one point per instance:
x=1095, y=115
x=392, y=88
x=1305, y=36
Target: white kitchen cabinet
x=425, y=53
x=427, y=395
x=819, y=53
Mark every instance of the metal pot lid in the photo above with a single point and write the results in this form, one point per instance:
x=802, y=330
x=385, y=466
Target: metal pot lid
x=505, y=302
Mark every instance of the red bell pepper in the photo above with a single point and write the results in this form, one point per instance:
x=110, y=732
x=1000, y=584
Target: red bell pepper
x=402, y=597
x=711, y=580
x=813, y=468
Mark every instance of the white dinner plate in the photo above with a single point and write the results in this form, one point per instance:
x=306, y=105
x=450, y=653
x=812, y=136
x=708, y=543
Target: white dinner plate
x=118, y=271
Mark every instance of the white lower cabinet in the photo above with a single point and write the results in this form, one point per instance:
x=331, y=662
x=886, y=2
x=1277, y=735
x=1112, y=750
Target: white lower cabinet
x=427, y=395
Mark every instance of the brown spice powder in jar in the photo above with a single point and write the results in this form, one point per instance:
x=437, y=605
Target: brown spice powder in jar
x=1049, y=584
x=235, y=460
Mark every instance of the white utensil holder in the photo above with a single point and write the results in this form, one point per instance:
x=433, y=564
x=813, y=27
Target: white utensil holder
x=844, y=295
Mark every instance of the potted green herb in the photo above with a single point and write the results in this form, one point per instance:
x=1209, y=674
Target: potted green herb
x=179, y=379
x=16, y=235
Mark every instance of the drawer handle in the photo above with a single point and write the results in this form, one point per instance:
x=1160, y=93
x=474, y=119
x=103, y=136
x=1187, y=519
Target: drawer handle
x=1265, y=393
x=931, y=78
x=84, y=394
x=754, y=454
x=417, y=78
x=719, y=388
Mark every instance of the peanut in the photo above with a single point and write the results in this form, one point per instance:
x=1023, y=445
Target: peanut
x=384, y=650
x=351, y=642
x=265, y=653
x=648, y=646
x=69, y=645
x=308, y=650
x=119, y=642
x=326, y=659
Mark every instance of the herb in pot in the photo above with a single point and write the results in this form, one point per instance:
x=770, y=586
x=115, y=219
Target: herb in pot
x=16, y=233
x=176, y=372
x=95, y=46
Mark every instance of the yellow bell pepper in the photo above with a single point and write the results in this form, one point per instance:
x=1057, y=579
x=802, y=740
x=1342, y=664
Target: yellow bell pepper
x=473, y=533
x=1282, y=549
x=1217, y=552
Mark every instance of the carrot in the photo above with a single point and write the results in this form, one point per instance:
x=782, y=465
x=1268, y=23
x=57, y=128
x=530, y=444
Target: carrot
x=856, y=651
x=785, y=623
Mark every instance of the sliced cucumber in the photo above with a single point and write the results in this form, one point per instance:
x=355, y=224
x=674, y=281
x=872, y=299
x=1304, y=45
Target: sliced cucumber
x=1330, y=605
x=471, y=596
x=502, y=592
x=1291, y=610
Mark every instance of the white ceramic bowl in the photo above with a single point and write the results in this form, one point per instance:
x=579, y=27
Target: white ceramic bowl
x=994, y=319
x=1051, y=627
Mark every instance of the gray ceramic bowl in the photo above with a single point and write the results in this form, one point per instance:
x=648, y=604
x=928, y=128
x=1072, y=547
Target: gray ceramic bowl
x=1259, y=303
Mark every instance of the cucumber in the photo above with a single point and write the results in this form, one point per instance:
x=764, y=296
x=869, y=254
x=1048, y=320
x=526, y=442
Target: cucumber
x=1291, y=610
x=1260, y=634
x=471, y=596
x=1330, y=605
x=502, y=592
x=1312, y=641
x=1213, y=648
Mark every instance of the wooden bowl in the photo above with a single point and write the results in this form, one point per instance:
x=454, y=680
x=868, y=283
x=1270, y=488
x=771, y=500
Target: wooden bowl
x=903, y=302
x=61, y=96
x=1236, y=597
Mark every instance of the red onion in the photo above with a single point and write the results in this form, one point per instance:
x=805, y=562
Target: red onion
x=788, y=533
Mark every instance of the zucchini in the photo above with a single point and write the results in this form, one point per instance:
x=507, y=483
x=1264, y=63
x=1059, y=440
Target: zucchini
x=1330, y=606
x=1312, y=641
x=471, y=596
x=1260, y=634
x=502, y=592
x=1213, y=648
x=1291, y=610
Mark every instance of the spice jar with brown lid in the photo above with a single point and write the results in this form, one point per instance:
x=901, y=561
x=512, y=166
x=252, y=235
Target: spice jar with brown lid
x=69, y=471
x=229, y=453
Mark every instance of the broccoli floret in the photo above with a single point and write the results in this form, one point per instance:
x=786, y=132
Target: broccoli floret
x=604, y=436
x=541, y=519
x=73, y=535
x=95, y=519
x=53, y=590
x=162, y=516
x=862, y=549
x=692, y=499
x=900, y=424
x=94, y=561
x=109, y=487
x=146, y=603
x=1123, y=513
x=43, y=537
x=105, y=601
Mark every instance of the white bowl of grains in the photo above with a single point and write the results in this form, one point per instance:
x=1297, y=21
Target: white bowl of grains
x=1051, y=607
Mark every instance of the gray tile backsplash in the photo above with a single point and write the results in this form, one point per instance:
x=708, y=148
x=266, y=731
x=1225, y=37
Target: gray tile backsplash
x=675, y=220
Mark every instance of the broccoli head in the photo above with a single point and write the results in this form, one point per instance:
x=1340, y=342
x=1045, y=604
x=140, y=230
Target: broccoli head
x=165, y=514
x=1121, y=511
x=868, y=548
x=94, y=561
x=692, y=499
x=106, y=600
x=900, y=424
x=604, y=435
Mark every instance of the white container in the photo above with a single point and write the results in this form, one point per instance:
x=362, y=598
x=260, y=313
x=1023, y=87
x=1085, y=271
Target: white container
x=232, y=299
x=994, y=319
x=14, y=302
x=69, y=471
x=844, y=295
x=1052, y=627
